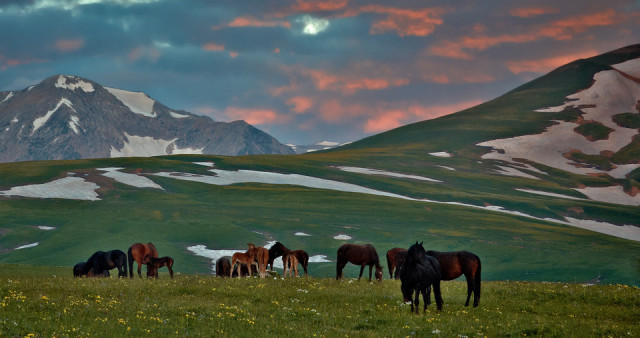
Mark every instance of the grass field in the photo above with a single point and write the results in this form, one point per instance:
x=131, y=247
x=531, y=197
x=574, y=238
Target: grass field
x=47, y=301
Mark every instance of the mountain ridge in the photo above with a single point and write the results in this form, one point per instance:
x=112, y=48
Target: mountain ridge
x=69, y=117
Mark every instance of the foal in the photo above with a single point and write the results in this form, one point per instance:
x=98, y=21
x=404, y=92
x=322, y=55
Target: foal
x=153, y=264
x=240, y=258
x=291, y=263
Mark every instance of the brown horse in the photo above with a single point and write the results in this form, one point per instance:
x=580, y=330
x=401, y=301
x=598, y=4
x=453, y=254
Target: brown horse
x=240, y=258
x=391, y=260
x=153, y=264
x=278, y=249
x=137, y=252
x=358, y=255
x=457, y=263
x=291, y=263
x=261, y=256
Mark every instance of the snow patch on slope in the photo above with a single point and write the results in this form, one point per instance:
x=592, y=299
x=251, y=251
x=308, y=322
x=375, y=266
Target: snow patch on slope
x=178, y=116
x=69, y=188
x=62, y=83
x=7, y=97
x=612, y=194
x=40, y=121
x=129, y=179
x=145, y=146
x=611, y=94
x=74, y=123
x=32, y=245
x=367, y=171
x=138, y=102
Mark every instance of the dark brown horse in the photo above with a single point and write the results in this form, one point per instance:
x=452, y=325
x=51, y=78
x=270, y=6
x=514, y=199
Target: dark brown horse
x=362, y=255
x=153, y=264
x=223, y=268
x=457, y=263
x=391, y=260
x=81, y=270
x=137, y=252
x=107, y=260
x=400, y=257
x=278, y=249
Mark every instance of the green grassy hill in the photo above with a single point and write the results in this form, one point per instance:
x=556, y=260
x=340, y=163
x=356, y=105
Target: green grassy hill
x=465, y=210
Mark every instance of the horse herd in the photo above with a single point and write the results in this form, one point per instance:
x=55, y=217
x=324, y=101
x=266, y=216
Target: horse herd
x=418, y=270
x=99, y=264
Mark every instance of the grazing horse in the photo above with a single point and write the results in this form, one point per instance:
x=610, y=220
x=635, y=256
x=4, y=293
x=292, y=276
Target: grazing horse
x=400, y=257
x=418, y=273
x=291, y=263
x=137, y=252
x=391, y=261
x=153, y=264
x=278, y=249
x=223, y=267
x=457, y=263
x=241, y=258
x=80, y=270
x=261, y=256
x=101, y=261
x=358, y=255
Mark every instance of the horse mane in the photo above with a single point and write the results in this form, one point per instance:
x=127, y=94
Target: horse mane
x=152, y=247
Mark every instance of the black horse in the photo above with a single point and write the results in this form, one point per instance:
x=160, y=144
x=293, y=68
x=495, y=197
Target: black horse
x=457, y=263
x=100, y=261
x=80, y=270
x=278, y=249
x=418, y=273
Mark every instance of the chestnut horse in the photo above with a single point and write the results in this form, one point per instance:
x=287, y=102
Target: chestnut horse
x=457, y=263
x=358, y=255
x=291, y=263
x=241, y=258
x=153, y=264
x=278, y=249
x=223, y=267
x=391, y=261
x=261, y=256
x=137, y=252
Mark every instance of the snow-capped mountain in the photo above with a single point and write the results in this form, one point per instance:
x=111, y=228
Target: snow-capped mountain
x=68, y=117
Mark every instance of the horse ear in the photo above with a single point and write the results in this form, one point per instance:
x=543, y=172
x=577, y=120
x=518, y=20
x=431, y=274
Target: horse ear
x=420, y=243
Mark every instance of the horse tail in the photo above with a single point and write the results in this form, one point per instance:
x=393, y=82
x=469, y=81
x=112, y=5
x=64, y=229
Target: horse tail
x=130, y=261
x=389, y=264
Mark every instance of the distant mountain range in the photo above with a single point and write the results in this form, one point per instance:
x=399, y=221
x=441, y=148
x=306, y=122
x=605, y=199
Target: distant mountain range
x=68, y=117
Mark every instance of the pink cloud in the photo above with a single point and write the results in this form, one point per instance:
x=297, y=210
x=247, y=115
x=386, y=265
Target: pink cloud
x=334, y=111
x=300, y=104
x=213, y=47
x=352, y=81
x=383, y=120
x=528, y=12
x=546, y=64
x=9, y=62
x=563, y=29
x=250, y=21
x=144, y=52
x=69, y=45
x=404, y=22
x=318, y=6
x=254, y=116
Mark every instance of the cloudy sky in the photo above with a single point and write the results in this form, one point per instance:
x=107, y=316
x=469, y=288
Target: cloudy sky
x=308, y=71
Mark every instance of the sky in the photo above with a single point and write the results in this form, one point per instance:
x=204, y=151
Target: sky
x=308, y=71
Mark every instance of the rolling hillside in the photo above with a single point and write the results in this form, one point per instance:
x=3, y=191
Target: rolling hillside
x=429, y=181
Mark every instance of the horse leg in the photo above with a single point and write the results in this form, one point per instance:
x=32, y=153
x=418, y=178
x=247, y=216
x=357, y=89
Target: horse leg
x=304, y=266
x=361, y=270
x=426, y=295
x=438, y=294
x=469, y=287
x=339, y=266
x=139, y=269
x=416, y=301
x=370, y=268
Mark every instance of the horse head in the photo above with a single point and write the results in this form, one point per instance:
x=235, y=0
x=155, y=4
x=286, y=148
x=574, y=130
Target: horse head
x=379, y=273
x=146, y=259
x=416, y=252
